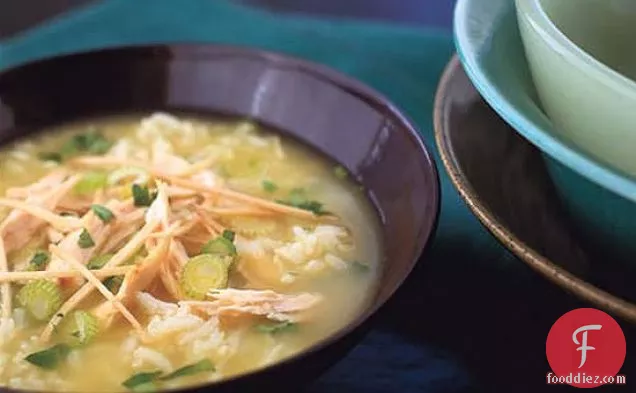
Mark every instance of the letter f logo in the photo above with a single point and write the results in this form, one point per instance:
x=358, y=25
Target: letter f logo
x=584, y=347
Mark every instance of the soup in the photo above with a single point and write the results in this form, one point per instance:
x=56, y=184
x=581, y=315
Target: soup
x=149, y=253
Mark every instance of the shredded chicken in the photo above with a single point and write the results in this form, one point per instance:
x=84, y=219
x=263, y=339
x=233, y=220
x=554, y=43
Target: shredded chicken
x=40, y=187
x=99, y=232
x=115, y=301
x=153, y=222
x=266, y=303
x=31, y=215
x=135, y=281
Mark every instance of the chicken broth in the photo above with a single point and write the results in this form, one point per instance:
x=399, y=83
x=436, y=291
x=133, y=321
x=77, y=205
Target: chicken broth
x=169, y=251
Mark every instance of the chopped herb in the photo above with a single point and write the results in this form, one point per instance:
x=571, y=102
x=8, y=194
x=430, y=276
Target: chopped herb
x=340, y=172
x=85, y=240
x=49, y=358
x=47, y=156
x=90, y=142
x=39, y=261
x=229, y=235
x=114, y=283
x=142, y=196
x=269, y=186
x=91, y=182
x=141, y=379
x=222, y=245
x=312, y=206
x=363, y=267
x=277, y=327
x=103, y=213
x=98, y=262
x=146, y=387
x=192, y=369
x=298, y=199
x=148, y=381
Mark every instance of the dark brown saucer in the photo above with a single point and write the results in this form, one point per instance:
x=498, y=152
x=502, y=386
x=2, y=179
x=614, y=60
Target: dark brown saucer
x=503, y=180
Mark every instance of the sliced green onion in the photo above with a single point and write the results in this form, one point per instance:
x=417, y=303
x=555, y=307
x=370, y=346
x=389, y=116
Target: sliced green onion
x=140, y=379
x=91, y=142
x=91, y=182
x=142, y=196
x=269, y=186
x=98, y=262
x=50, y=156
x=85, y=240
x=148, y=381
x=41, y=298
x=103, y=213
x=50, y=358
x=114, y=283
x=203, y=273
x=229, y=235
x=298, y=199
x=219, y=246
x=39, y=261
x=79, y=328
x=192, y=369
x=361, y=267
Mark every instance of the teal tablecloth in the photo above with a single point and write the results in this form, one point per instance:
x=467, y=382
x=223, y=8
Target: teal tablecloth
x=484, y=316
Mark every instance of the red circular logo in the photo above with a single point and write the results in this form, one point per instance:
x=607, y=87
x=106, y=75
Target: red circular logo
x=585, y=348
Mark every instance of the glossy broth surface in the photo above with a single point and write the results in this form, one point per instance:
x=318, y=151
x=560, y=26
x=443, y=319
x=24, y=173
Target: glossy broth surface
x=336, y=261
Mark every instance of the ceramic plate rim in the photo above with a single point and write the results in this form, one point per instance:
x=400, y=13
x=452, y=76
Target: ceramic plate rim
x=539, y=263
x=548, y=144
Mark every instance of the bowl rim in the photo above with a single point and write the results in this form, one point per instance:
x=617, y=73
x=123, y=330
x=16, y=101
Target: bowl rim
x=558, y=41
x=566, y=154
x=540, y=264
x=362, y=91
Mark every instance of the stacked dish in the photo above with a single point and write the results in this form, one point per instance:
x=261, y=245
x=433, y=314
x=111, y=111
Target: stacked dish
x=562, y=78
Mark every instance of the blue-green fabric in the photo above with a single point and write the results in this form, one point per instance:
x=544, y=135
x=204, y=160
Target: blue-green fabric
x=403, y=63
x=464, y=270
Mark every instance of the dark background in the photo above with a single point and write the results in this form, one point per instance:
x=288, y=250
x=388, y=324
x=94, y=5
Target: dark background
x=480, y=328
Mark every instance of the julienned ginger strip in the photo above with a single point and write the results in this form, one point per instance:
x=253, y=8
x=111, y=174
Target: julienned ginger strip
x=100, y=287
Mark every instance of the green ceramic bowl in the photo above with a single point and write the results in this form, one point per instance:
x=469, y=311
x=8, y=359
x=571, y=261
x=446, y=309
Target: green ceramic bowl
x=582, y=59
x=600, y=199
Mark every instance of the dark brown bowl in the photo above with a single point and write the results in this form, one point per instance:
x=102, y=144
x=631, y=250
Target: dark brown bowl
x=339, y=117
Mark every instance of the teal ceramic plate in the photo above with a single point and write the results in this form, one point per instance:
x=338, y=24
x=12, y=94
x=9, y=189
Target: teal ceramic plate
x=504, y=181
x=601, y=201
